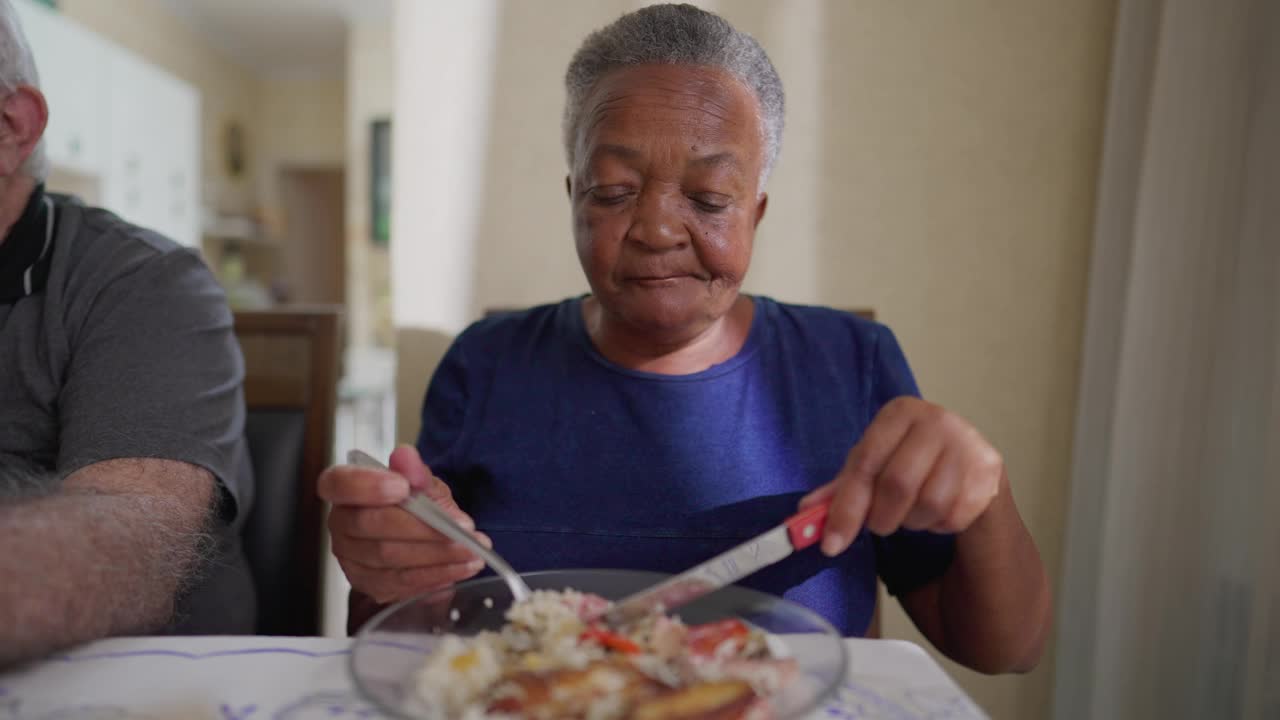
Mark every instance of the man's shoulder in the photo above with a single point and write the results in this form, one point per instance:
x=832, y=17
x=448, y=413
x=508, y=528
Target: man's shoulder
x=103, y=249
x=109, y=238
x=105, y=267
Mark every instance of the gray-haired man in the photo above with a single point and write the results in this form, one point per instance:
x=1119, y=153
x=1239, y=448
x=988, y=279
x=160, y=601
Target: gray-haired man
x=123, y=472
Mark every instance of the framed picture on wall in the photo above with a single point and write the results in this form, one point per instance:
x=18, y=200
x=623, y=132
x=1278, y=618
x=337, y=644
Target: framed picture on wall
x=380, y=182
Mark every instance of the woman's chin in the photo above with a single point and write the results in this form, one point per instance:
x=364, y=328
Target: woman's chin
x=666, y=320
x=667, y=309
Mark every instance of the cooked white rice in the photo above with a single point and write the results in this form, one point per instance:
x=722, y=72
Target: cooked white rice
x=545, y=633
x=541, y=634
x=457, y=672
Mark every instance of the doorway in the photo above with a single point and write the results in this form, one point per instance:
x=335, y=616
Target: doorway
x=313, y=256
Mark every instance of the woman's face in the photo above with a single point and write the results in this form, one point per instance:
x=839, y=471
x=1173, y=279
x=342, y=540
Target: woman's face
x=665, y=197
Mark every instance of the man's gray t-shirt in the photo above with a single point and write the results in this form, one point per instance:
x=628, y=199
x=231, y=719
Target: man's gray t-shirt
x=129, y=352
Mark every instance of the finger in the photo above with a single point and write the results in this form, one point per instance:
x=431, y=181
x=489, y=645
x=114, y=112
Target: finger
x=350, y=485
x=844, y=519
x=854, y=484
x=979, y=488
x=424, y=579
x=406, y=461
x=822, y=494
x=439, y=492
x=397, y=554
x=937, y=499
x=899, y=483
x=881, y=439
x=386, y=586
x=383, y=586
x=394, y=554
x=386, y=523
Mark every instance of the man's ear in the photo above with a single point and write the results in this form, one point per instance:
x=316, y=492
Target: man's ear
x=23, y=117
x=761, y=205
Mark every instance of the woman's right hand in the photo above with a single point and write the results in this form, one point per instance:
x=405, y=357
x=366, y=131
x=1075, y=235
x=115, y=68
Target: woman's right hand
x=387, y=553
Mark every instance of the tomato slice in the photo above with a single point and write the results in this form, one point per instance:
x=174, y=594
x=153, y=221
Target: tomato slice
x=611, y=640
x=707, y=639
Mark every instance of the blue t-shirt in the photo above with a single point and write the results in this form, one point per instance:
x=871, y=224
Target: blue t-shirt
x=568, y=460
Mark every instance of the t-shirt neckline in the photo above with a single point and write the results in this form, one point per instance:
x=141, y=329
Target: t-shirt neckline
x=745, y=353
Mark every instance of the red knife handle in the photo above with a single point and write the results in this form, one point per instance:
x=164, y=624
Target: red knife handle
x=805, y=527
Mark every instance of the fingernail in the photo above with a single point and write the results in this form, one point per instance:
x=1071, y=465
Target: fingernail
x=395, y=487
x=832, y=544
x=466, y=522
x=485, y=540
x=475, y=565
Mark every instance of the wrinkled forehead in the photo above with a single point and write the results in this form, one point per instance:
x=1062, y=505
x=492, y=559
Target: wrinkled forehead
x=701, y=107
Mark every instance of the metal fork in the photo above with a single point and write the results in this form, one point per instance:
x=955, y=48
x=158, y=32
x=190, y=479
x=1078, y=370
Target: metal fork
x=421, y=507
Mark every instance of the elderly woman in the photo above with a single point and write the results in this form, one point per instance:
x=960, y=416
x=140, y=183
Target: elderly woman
x=666, y=417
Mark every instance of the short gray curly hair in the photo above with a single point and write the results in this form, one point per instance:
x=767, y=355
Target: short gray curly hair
x=18, y=67
x=675, y=35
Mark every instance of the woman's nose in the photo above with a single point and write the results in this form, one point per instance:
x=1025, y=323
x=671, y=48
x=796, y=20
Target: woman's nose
x=657, y=223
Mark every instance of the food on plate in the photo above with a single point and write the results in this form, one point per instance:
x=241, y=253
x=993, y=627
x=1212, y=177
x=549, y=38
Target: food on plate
x=551, y=661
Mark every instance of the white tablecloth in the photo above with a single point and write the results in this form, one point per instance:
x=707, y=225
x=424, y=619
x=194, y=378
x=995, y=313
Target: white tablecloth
x=257, y=678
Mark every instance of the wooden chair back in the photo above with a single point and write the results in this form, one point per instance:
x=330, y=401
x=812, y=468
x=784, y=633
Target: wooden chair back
x=290, y=388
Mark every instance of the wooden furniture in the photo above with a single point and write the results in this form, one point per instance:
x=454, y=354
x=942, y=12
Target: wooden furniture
x=290, y=388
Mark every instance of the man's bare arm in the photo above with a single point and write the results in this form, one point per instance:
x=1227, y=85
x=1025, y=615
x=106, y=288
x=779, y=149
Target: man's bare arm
x=105, y=554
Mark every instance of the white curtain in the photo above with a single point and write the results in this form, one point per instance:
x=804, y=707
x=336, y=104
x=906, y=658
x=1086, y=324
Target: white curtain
x=1170, y=598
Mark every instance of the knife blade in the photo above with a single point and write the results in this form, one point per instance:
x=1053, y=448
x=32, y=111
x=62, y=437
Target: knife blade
x=797, y=533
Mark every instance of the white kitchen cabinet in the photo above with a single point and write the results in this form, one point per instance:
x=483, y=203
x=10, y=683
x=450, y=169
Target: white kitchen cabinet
x=178, y=159
x=150, y=178
x=114, y=116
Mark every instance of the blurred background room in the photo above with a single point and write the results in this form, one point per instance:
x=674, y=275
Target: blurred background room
x=1069, y=213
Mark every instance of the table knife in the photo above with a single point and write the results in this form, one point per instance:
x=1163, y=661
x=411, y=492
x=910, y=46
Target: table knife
x=798, y=532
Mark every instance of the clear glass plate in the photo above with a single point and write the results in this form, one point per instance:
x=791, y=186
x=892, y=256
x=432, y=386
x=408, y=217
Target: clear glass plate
x=391, y=647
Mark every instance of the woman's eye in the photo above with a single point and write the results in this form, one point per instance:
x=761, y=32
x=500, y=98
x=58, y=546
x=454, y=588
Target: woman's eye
x=609, y=195
x=711, y=202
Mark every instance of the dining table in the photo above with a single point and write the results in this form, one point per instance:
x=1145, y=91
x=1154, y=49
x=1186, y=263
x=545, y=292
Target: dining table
x=294, y=678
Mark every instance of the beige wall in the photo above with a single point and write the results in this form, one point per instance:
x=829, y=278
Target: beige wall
x=524, y=251
x=958, y=181
x=228, y=92
x=369, y=79
x=939, y=166
x=301, y=122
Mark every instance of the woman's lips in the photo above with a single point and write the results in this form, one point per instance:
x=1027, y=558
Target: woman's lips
x=659, y=281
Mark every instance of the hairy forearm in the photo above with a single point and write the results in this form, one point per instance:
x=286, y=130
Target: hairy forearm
x=101, y=556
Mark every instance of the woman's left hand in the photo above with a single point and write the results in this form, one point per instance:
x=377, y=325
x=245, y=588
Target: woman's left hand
x=918, y=467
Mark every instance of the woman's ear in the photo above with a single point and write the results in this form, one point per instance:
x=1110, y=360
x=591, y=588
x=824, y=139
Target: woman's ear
x=23, y=116
x=761, y=205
